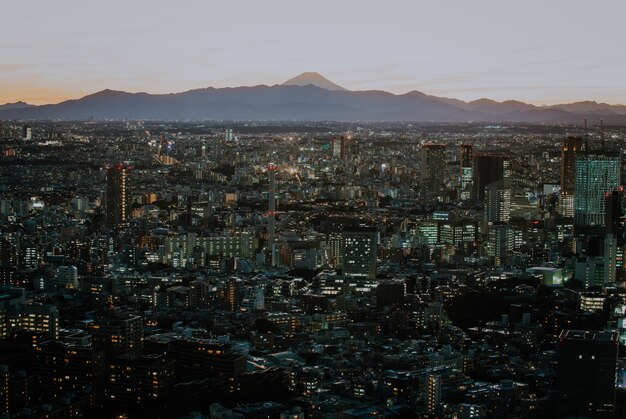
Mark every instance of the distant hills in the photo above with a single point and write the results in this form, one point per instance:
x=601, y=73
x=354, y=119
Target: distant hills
x=16, y=105
x=308, y=96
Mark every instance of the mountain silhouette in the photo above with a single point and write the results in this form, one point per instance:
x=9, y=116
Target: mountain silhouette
x=314, y=79
x=308, y=97
x=16, y=105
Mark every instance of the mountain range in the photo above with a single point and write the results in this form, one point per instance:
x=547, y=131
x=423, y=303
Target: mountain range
x=308, y=96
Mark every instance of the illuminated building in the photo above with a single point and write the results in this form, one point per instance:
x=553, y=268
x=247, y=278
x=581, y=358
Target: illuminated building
x=432, y=163
x=467, y=172
x=498, y=201
x=339, y=148
x=117, y=195
x=597, y=174
x=358, y=252
x=118, y=334
x=572, y=146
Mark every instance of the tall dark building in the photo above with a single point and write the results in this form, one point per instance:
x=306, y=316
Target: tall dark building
x=433, y=161
x=587, y=367
x=613, y=217
x=466, y=174
x=117, y=195
x=390, y=293
x=570, y=149
x=489, y=168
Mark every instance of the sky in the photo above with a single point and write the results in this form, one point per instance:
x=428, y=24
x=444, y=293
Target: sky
x=538, y=51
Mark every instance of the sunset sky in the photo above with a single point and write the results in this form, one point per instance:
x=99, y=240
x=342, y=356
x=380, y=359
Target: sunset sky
x=539, y=51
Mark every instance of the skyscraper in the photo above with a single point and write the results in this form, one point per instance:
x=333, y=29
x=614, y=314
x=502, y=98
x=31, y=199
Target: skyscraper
x=572, y=146
x=597, y=174
x=467, y=172
x=117, y=195
x=339, y=147
x=433, y=160
x=271, y=213
x=488, y=168
x=586, y=374
x=358, y=252
x=498, y=201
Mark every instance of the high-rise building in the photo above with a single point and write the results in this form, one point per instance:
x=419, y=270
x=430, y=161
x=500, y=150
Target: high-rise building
x=467, y=172
x=498, y=200
x=586, y=374
x=572, y=146
x=67, y=277
x=614, y=215
x=432, y=178
x=358, y=252
x=597, y=174
x=489, y=168
x=500, y=242
x=117, y=209
x=339, y=147
x=27, y=133
x=271, y=213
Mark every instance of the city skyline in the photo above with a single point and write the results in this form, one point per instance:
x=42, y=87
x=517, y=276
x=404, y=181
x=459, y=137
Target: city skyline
x=467, y=51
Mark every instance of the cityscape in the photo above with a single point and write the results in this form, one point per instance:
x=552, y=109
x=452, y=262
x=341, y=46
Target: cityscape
x=437, y=236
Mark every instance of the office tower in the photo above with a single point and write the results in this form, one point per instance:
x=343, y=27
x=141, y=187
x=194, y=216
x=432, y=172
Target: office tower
x=339, y=147
x=467, y=172
x=458, y=232
x=596, y=262
x=271, y=212
x=67, y=277
x=500, y=242
x=597, y=174
x=228, y=135
x=117, y=195
x=428, y=232
x=489, y=168
x=432, y=175
x=358, y=252
x=498, y=201
x=572, y=146
x=587, y=366
x=271, y=215
x=390, y=293
x=333, y=245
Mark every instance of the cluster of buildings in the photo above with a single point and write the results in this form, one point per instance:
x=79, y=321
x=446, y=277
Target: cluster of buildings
x=319, y=270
